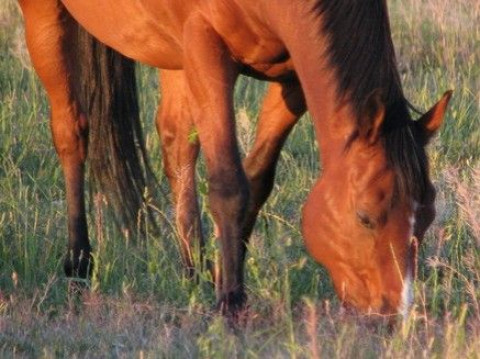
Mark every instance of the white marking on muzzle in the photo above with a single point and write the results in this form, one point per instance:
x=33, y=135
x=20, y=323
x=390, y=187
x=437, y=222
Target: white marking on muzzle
x=407, y=282
x=407, y=296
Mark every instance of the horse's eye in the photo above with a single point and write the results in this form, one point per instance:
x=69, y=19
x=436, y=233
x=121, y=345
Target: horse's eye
x=365, y=220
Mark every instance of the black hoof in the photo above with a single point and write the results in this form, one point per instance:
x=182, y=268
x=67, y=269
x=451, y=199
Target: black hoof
x=231, y=304
x=80, y=267
x=191, y=273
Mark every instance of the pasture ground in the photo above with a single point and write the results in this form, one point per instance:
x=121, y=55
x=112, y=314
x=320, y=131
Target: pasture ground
x=141, y=305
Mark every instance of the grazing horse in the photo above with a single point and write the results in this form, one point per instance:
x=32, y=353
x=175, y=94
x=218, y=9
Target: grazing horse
x=374, y=198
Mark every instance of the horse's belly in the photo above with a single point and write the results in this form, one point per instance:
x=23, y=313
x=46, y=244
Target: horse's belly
x=127, y=27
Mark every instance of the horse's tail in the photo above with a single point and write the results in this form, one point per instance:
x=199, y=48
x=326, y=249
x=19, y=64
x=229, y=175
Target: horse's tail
x=104, y=87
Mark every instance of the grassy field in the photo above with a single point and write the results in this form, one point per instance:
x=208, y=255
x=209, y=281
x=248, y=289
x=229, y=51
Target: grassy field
x=141, y=305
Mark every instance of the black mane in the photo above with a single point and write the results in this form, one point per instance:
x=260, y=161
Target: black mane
x=362, y=52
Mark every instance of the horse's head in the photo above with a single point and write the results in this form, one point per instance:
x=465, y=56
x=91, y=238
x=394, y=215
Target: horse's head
x=372, y=204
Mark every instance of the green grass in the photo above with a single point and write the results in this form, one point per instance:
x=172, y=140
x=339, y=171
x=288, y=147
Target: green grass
x=141, y=305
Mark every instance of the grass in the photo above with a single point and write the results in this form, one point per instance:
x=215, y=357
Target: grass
x=141, y=305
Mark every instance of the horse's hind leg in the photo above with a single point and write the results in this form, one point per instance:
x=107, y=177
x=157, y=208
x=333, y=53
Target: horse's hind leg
x=69, y=129
x=180, y=152
x=283, y=105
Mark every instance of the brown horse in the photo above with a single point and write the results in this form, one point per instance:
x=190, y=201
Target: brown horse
x=334, y=58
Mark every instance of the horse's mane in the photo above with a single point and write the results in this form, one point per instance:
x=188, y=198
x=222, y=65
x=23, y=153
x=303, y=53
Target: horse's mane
x=362, y=52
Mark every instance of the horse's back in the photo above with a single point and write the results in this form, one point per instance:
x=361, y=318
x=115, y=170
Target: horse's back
x=151, y=31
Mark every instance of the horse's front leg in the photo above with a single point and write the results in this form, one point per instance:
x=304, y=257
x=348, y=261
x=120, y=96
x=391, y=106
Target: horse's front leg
x=69, y=127
x=282, y=106
x=211, y=74
x=180, y=152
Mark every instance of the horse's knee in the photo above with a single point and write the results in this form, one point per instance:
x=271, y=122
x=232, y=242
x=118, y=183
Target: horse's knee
x=228, y=193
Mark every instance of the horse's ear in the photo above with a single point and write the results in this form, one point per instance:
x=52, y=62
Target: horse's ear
x=373, y=117
x=433, y=119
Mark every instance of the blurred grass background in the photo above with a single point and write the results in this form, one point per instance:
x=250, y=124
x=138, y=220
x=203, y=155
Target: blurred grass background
x=142, y=305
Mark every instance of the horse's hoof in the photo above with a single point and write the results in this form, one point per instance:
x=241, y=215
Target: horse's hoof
x=80, y=267
x=231, y=304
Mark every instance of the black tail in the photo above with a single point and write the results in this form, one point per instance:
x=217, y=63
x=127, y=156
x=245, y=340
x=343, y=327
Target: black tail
x=104, y=86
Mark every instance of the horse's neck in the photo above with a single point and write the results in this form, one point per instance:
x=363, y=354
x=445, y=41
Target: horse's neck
x=302, y=29
x=333, y=119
